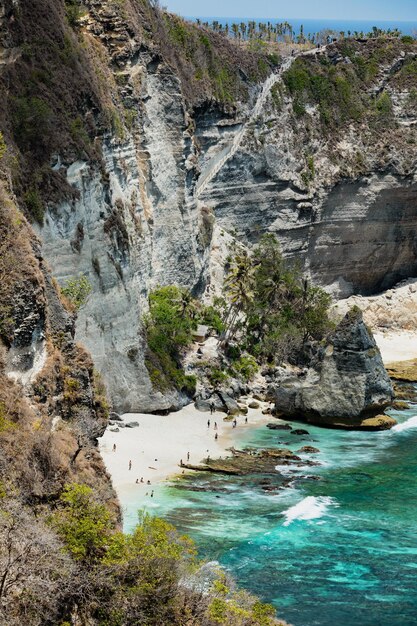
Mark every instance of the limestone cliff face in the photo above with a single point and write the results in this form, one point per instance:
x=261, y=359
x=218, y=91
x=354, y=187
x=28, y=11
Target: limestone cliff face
x=52, y=405
x=200, y=151
x=149, y=221
x=344, y=201
x=347, y=384
x=131, y=222
x=128, y=234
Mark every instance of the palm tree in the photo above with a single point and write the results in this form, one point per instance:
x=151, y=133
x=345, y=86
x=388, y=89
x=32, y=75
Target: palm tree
x=238, y=286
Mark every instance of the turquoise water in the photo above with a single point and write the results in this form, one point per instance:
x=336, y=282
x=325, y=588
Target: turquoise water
x=341, y=550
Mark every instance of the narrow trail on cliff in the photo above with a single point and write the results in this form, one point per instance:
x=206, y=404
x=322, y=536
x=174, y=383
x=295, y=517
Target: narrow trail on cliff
x=216, y=163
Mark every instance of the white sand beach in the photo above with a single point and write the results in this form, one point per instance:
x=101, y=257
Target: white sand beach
x=158, y=445
x=396, y=346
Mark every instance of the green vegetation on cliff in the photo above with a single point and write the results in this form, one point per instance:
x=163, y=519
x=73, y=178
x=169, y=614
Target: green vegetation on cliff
x=273, y=310
x=338, y=83
x=173, y=317
x=269, y=314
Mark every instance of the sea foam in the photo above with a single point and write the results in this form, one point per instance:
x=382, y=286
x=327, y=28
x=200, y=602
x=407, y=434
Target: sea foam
x=312, y=507
x=410, y=423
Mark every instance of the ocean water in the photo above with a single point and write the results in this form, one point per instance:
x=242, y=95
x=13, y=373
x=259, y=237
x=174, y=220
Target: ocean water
x=315, y=26
x=338, y=551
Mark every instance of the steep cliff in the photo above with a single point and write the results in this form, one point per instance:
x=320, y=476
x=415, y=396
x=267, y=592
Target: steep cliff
x=162, y=141
x=330, y=167
x=52, y=403
x=127, y=218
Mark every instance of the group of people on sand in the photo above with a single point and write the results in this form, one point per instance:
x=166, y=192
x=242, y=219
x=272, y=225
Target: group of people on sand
x=216, y=436
x=138, y=482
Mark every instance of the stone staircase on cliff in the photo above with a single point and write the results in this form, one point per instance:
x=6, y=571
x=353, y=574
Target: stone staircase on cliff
x=216, y=164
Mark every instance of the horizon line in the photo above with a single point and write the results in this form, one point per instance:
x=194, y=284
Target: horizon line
x=316, y=19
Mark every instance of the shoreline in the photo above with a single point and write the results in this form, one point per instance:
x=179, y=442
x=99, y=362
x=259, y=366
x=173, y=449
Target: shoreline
x=157, y=446
x=159, y=443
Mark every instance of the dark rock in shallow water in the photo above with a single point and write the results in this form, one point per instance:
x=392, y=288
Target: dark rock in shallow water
x=114, y=417
x=346, y=384
x=273, y=426
x=299, y=431
x=244, y=462
x=308, y=450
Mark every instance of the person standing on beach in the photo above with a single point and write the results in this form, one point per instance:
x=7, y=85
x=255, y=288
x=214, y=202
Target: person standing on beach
x=114, y=447
x=188, y=456
x=130, y=465
x=216, y=436
x=208, y=423
x=215, y=425
x=152, y=494
x=212, y=408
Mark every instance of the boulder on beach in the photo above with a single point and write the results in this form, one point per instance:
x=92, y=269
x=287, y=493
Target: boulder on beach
x=132, y=425
x=346, y=384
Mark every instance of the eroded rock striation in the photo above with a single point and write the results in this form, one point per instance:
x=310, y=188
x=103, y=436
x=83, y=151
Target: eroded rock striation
x=347, y=385
x=130, y=176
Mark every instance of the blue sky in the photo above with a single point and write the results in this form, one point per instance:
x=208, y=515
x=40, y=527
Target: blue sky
x=308, y=9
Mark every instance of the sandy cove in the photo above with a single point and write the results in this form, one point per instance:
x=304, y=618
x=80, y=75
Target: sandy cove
x=397, y=345
x=158, y=445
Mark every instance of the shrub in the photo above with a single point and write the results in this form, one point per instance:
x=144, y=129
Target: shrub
x=5, y=423
x=276, y=96
x=217, y=376
x=212, y=317
x=77, y=290
x=245, y=367
x=84, y=525
x=32, y=119
x=383, y=104
x=73, y=12
x=335, y=91
x=169, y=327
x=34, y=205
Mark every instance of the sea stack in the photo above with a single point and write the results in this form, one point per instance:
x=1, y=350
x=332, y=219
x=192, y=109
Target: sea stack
x=347, y=385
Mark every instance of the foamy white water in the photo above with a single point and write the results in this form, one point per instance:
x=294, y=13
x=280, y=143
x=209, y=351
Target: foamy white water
x=410, y=423
x=312, y=507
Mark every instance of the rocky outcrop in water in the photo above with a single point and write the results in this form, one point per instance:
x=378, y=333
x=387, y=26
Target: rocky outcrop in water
x=250, y=461
x=346, y=386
